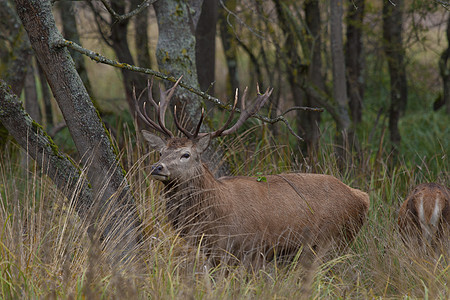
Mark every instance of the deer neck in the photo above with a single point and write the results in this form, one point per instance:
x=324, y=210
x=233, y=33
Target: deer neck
x=191, y=203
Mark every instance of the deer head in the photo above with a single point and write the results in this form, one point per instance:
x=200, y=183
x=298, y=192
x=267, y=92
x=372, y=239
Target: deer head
x=180, y=157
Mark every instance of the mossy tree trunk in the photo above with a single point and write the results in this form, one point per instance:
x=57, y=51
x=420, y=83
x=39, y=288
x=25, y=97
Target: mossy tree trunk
x=339, y=78
x=229, y=45
x=15, y=54
x=18, y=58
x=395, y=53
x=68, y=13
x=354, y=59
x=29, y=135
x=311, y=120
x=444, y=67
x=175, y=53
x=142, y=42
x=205, y=36
x=104, y=172
x=31, y=97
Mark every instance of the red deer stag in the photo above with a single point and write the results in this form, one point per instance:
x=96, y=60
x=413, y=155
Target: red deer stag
x=424, y=216
x=248, y=218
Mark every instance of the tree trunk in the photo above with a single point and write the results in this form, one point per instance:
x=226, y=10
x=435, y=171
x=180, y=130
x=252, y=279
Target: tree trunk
x=355, y=59
x=70, y=32
x=444, y=67
x=229, y=45
x=15, y=55
x=392, y=35
x=31, y=98
x=29, y=135
x=311, y=120
x=175, y=53
x=20, y=59
x=205, y=51
x=338, y=70
x=119, y=34
x=46, y=95
x=141, y=38
x=293, y=62
x=92, y=141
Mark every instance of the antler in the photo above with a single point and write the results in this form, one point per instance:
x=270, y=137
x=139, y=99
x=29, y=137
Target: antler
x=183, y=130
x=160, y=108
x=246, y=113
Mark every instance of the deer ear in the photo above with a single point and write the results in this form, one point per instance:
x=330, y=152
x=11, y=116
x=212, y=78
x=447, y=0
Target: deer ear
x=155, y=142
x=203, y=143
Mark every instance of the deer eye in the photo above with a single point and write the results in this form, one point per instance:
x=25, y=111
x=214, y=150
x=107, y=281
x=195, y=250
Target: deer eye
x=185, y=155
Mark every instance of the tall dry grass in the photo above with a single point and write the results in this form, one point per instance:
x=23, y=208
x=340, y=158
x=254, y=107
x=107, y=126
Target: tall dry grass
x=45, y=251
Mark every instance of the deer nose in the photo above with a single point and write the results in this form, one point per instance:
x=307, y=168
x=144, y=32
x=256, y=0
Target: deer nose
x=157, y=169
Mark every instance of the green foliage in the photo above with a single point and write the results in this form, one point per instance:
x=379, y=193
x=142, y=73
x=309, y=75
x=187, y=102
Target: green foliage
x=46, y=253
x=260, y=177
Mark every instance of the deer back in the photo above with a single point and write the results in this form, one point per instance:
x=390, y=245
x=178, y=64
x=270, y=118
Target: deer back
x=291, y=209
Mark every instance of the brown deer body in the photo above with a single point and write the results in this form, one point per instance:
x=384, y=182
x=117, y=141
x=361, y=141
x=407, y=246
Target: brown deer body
x=248, y=218
x=424, y=216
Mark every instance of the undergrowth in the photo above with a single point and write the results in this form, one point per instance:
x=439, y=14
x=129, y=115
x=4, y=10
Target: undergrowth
x=45, y=251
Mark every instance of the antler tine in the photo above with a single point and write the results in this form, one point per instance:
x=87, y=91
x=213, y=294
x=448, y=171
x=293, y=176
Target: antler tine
x=183, y=130
x=230, y=117
x=260, y=100
x=197, y=129
x=149, y=93
x=144, y=115
x=164, y=102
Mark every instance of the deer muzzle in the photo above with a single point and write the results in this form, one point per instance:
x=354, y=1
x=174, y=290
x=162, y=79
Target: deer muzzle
x=160, y=172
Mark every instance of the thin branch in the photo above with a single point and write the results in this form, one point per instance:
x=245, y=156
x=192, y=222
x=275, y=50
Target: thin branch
x=101, y=59
x=445, y=4
x=98, y=21
x=305, y=108
x=119, y=18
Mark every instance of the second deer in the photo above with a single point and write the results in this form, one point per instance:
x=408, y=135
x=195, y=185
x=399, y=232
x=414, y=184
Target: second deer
x=241, y=217
x=424, y=216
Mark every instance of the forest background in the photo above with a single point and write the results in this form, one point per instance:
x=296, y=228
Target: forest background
x=377, y=71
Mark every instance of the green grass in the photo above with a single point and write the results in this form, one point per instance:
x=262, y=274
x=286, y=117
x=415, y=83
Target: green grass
x=46, y=253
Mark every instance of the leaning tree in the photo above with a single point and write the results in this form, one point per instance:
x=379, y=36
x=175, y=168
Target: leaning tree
x=97, y=182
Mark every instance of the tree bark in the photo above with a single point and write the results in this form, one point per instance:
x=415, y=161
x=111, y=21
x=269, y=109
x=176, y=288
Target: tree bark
x=311, y=120
x=46, y=95
x=120, y=45
x=355, y=60
x=175, y=51
x=444, y=67
x=70, y=32
x=205, y=51
x=15, y=58
x=309, y=70
x=392, y=35
x=141, y=39
x=20, y=59
x=338, y=70
x=229, y=45
x=91, y=140
x=31, y=98
x=30, y=136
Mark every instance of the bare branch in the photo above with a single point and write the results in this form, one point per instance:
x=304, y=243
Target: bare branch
x=119, y=18
x=102, y=59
